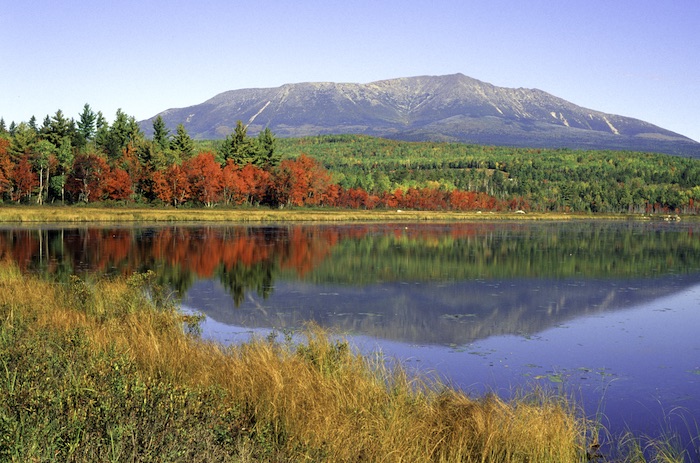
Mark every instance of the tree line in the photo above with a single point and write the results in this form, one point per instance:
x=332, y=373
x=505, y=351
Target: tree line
x=540, y=179
x=93, y=161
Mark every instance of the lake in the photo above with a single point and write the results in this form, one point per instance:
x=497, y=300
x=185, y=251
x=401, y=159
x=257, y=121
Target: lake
x=606, y=312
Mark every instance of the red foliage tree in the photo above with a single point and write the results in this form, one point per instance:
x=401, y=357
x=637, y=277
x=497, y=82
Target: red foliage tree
x=461, y=200
x=6, y=167
x=231, y=184
x=87, y=179
x=160, y=187
x=25, y=180
x=300, y=182
x=172, y=186
x=205, y=178
x=118, y=185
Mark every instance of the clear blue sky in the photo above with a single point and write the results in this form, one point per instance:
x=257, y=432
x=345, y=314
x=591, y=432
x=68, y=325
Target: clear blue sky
x=637, y=58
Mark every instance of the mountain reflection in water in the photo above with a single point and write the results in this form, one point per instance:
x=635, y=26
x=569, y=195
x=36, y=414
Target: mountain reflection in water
x=448, y=313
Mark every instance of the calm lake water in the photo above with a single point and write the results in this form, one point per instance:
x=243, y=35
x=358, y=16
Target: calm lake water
x=605, y=312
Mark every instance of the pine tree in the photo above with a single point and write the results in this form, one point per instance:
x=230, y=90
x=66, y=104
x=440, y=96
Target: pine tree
x=267, y=149
x=32, y=124
x=58, y=128
x=86, y=125
x=239, y=147
x=101, y=131
x=182, y=143
x=161, y=134
x=3, y=129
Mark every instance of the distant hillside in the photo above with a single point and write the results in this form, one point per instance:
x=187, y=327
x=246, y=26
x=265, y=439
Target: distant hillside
x=428, y=108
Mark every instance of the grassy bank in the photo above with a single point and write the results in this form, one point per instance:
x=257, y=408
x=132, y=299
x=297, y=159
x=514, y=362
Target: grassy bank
x=73, y=214
x=105, y=372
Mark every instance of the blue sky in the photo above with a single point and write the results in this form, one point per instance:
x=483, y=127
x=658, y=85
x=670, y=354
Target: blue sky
x=637, y=58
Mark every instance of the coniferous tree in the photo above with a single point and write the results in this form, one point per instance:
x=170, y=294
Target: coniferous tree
x=268, y=156
x=123, y=130
x=3, y=129
x=58, y=128
x=182, y=143
x=32, y=124
x=13, y=128
x=45, y=125
x=86, y=125
x=101, y=131
x=239, y=147
x=161, y=134
x=23, y=143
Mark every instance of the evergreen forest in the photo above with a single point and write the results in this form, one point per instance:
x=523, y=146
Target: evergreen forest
x=91, y=160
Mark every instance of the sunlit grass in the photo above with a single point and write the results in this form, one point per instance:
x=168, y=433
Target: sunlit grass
x=96, y=214
x=104, y=371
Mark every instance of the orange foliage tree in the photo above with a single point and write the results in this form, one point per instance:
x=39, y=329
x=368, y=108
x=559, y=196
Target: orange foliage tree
x=5, y=167
x=302, y=181
x=25, y=181
x=172, y=186
x=87, y=179
x=205, y=178
x=118, y=184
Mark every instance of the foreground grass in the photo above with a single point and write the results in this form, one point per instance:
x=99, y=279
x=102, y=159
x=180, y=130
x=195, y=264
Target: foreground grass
x=74, y=214
x=105, y=372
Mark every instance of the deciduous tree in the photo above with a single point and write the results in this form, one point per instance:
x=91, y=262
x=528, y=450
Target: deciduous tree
x=118, y=185
x=87, y=179
x=204, y=175
x=25, y=180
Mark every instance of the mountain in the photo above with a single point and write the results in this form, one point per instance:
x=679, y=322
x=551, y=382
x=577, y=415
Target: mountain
x=426, y=108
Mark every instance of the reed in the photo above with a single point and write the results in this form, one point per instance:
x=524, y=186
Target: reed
x=103, y=371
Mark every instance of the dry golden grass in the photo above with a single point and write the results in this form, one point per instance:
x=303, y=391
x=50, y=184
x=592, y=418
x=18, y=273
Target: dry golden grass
x=87, y=214
x=311, y=401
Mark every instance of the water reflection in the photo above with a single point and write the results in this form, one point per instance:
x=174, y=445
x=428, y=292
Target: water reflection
x=420, y=283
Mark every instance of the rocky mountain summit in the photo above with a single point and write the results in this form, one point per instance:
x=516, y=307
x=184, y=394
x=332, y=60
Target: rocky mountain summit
x=426, y=108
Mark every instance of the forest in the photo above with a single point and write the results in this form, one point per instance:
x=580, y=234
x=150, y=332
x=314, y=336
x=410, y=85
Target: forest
x=90, y=160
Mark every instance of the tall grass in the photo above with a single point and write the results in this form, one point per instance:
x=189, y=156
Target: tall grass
x=104, y=371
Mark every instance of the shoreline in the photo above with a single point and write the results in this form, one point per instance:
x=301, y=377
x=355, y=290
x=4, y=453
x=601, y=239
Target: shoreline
x=72, y=214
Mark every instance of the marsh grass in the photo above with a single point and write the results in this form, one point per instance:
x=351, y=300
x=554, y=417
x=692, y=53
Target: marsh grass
x=126, y=214
x=103, y=371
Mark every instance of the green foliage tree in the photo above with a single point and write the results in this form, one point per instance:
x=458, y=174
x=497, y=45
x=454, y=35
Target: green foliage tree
x=58, y=128
x=43, y=151
x=24, y=141
x=268, y=156
x=64, y=158
x=32, y=124
x=182, y=143
x=86, y=126
x=239, y=147
x=124, y=130
x=161, y=134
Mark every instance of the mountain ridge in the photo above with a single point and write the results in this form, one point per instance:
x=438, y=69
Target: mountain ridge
x=454, y=108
